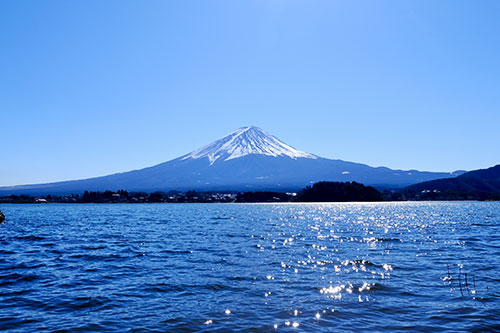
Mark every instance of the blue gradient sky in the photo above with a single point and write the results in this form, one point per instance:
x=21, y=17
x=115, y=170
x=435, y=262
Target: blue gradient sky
x=89, y=88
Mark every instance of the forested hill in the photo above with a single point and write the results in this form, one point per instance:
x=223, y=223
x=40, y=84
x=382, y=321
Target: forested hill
x=338, y=192
x=483, y=180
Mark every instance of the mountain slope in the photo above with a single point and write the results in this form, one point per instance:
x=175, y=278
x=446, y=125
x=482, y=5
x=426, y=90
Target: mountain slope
x=483, y=180
x=246, y=141
x=246, y=159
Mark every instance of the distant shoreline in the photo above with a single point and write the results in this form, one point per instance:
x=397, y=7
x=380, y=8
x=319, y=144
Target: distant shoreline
x=318, y=192
x=34, y=202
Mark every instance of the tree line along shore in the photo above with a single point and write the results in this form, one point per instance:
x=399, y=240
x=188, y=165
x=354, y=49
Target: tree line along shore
x=319, y=192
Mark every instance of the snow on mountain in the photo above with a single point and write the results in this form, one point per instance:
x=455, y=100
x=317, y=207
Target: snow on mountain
x=246, y=141
x=247, y=159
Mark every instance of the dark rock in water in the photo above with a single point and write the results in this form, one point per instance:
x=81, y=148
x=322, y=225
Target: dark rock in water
x=2, y=216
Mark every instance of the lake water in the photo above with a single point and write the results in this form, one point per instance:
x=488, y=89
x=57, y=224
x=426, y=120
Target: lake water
x=251, y=267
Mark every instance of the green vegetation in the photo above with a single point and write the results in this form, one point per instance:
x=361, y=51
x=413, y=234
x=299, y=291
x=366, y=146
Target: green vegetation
x=122, y=196
x=439, y=195
x=338, y=192
x=263, y=197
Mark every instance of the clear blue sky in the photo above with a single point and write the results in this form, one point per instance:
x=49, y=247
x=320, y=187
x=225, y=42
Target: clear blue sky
x=89, y=88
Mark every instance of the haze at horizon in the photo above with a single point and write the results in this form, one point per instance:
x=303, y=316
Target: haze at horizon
x=92, y=88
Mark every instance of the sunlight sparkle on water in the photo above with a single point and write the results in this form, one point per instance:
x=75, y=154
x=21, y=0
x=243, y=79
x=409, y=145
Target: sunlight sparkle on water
x=367, y=269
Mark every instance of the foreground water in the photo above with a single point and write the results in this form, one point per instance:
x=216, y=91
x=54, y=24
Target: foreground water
x=261, y=267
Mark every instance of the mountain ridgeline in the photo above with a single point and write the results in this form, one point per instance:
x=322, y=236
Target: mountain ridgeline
x=483, y=184
x=248, y=159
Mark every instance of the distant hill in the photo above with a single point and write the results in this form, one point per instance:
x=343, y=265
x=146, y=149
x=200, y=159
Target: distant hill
x=485, y=180
x=338, y=192
x=480, y=184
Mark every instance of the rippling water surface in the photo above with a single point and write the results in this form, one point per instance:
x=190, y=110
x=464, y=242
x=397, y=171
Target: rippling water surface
x=260, y=267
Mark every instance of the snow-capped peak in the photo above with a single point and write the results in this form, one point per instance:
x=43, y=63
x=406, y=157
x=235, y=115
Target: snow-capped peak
x=246, y=141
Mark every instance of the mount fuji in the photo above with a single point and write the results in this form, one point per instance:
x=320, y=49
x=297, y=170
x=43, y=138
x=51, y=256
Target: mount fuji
x=246, y=159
